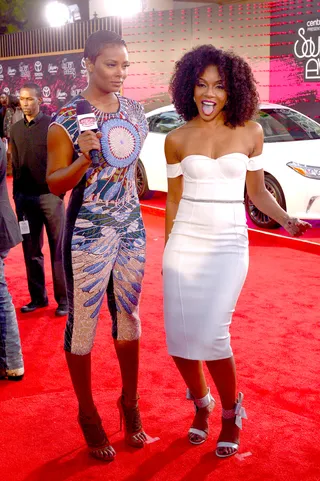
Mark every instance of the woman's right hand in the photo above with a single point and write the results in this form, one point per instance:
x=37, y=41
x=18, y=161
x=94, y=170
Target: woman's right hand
x=89, y=141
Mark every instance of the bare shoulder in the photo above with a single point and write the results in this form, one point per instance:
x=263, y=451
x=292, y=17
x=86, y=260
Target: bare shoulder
x=174, y=143
x=255, y=137
x=253, y=128
x=58, y=133
x=175, y=137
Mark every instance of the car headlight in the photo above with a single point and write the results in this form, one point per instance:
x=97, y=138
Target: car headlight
x=310, y=171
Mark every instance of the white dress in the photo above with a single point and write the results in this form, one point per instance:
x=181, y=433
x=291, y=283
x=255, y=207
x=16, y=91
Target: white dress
x=205, y=261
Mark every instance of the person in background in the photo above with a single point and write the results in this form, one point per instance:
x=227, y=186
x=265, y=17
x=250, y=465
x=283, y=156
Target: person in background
x=210, y=159
x=13, y=114
x=11, y=360
x=3, y=107
x=35, y=204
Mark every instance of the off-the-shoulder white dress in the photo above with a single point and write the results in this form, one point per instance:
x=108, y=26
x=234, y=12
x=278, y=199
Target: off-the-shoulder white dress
x=205, y=261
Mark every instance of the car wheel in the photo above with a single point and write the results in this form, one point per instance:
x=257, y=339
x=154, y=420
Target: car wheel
x=142, y=182
x=259, y=218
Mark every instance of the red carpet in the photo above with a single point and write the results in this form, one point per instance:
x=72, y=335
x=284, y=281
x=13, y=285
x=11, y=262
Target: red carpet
x=276, y=343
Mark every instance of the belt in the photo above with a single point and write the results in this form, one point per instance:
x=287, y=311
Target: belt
x=218, y=201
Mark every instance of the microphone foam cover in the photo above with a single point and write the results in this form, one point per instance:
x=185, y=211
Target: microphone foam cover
x=83, y=107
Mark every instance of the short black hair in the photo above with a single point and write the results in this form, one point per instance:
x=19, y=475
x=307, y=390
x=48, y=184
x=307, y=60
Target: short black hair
x=33, y=86
x=98, y=41
x=236, y=76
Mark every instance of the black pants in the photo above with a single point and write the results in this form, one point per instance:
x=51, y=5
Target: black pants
x=44, y=210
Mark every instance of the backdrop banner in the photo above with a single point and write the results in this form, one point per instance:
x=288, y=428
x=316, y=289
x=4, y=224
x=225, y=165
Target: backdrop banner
x=295, y=62
x=307, y=48
x=60, y=77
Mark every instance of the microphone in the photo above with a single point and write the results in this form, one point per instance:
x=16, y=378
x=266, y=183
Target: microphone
x=87, y=121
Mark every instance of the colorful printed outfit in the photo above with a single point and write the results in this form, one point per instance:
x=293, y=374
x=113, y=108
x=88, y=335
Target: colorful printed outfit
x=104, y=246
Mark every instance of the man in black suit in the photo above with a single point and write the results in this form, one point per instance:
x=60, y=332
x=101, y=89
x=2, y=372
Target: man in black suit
x=11, y=361
x=35, y=205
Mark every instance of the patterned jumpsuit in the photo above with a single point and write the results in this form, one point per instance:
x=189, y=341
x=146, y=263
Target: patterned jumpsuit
x=104, y=244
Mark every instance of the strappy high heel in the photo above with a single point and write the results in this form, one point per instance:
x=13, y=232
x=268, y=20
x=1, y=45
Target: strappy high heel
x=96, y=438
x=129, y=412
x=203, y=407
x=237, y=413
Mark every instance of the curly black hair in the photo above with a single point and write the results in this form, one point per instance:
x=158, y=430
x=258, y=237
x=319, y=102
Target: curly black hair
x=235, y=74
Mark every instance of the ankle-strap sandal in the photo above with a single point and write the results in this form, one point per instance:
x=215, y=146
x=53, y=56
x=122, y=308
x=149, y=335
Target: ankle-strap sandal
x=95, y=436
x=207, y=404
x=225, y=448
x=130, y=414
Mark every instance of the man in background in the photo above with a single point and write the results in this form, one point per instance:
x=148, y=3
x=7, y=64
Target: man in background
x=3, y=106
x=11, y=361
x=36, y=207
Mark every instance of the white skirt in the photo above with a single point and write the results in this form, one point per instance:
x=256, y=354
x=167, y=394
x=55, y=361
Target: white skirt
x=205, y=264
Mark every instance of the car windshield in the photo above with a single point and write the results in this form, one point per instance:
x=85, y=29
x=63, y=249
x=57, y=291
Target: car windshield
x=165, y=122
x=285, y=125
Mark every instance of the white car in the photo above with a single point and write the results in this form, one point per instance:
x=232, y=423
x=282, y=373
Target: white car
x=291, y=159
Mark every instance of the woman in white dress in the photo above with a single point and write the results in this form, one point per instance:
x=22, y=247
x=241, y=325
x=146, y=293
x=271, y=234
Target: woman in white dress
x=209, y=161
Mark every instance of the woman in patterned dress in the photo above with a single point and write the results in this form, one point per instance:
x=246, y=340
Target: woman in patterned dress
x=104, y=248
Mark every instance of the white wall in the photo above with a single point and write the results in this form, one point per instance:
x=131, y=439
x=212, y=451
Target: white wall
x=182, y=5
x=159, y=4
x=102, y=10
x=170, y=4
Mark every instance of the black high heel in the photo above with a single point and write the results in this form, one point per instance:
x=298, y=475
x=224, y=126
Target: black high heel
x=95, y=436
x=130, y=413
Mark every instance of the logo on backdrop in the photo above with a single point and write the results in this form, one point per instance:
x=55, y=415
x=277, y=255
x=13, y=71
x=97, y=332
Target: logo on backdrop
x=62, y=95
x=1, y=73
x=38, y=74
x=53, y=69
x=38, y=66
x=75, y=91
x=46, y=92
x=6, y=91
x=307, y=48
x=68, y=68
x=11, y=72
x=24, y=71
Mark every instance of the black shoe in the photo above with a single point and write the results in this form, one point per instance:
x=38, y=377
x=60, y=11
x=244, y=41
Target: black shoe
x=12, y=374
x=61, y=311
x=32, y=306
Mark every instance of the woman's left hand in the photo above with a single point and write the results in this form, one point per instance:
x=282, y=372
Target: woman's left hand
x=296, y=227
